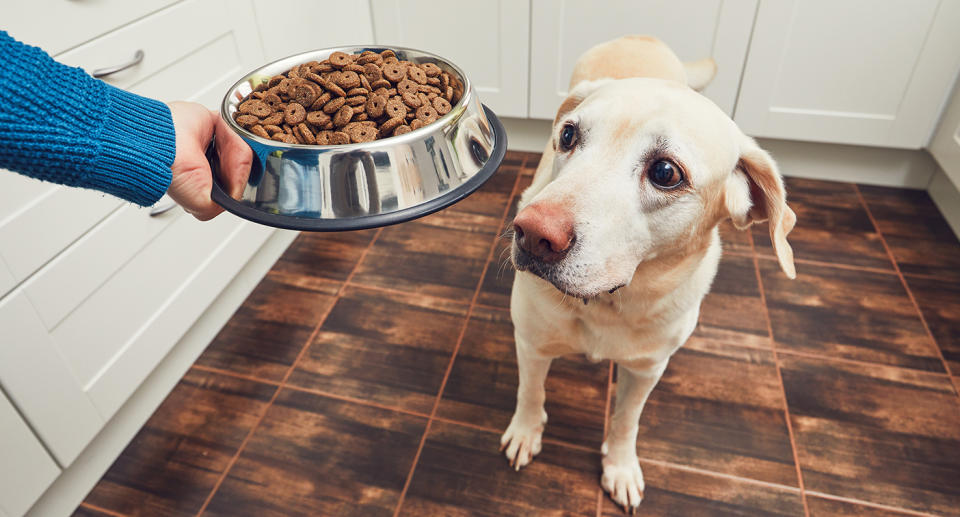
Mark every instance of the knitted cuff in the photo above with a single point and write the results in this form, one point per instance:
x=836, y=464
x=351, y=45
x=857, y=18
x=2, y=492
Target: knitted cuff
x=137, y=148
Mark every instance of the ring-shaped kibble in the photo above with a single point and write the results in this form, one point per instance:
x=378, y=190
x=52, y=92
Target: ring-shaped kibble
x=427, y=114
x=401, y=130
x=394, y=71
x=362, y=133
x=343, y=116
x=396, y=109
x=430, y=69
x=416, y=124
x=318, y=118
x=406, y=86
x=340, y=59
x=294, y=114
x=416, y=74
x=256, y=108
x=272, y=100
x=372, y=72
x=274, y=119
x=348, y=79
x=375, y=105
x=247, y=120
x=441, y=105
x=305, y=134
x=411, y=100
x=387, y=127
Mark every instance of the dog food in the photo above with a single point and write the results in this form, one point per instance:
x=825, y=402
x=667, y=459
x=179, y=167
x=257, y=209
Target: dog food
x=349, y=98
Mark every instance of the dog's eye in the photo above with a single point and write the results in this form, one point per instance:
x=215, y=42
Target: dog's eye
x=665, y=175
x=568, y=136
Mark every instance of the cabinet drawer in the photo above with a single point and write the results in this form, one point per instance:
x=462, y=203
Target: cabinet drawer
x=57, y=25
x=72, y=276
x=25, y=468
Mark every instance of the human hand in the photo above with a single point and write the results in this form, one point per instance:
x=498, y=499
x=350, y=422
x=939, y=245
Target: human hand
x=192, y=178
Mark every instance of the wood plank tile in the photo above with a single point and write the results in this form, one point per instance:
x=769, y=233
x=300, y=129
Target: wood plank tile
x=482, y=388
x=719, y=407
x=174, y=461
x=832, y=226
x=733, y=239
x=487, y=204
x=85, y=511
x=734, y=303
x=322, y=261
x=313, y=455
x=389, y=348
x=439, y=255
x=874, y=433
x=461, y=473
x=849, y=314
x=671, y=491
x=264, y=336
x=939, y=300
x=823, y=507
x=918, y=235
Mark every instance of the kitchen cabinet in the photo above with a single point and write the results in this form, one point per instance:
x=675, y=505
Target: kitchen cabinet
x=303, y=25
x=27, y=469
x=489, y=40
x=695, y=29
x=945, y=146
x=854, y=72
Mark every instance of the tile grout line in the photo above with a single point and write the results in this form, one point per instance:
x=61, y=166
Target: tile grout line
x=289, y=372
x=835, y=265
x=456, y=347
x=906, y=286
x=606, y=417
x=783, y=388
x=235, y=375
x=104, y=511
x=878, y=506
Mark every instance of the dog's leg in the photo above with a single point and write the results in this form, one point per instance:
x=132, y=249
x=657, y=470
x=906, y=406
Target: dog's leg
x=522, y=437
x=622, y=477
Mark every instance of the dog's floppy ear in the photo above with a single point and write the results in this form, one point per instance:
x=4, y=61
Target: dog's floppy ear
x=755, y=194
x=579, y=92
x=700, y=73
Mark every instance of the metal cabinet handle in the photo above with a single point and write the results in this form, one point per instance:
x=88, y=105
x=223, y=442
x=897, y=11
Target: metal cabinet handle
x=110, y=70
x=160, y=209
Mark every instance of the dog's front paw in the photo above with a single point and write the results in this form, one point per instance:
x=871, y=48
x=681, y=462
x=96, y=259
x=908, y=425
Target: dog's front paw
x=623, y=480
x=522, y=439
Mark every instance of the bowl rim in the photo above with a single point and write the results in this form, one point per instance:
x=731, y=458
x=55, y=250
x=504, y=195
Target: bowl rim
x=292, y=222
x=456, y=111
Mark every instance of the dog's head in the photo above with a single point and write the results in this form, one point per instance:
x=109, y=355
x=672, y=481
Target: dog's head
x=641, y=169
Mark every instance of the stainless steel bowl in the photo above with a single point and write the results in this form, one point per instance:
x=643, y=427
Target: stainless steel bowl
x=355, y=186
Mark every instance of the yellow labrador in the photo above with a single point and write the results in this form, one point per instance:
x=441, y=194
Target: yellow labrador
x=616, y=241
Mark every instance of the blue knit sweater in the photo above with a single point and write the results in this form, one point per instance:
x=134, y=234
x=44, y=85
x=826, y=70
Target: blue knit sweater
x=59, y=124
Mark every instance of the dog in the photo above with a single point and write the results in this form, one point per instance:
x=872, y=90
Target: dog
x=616, y=240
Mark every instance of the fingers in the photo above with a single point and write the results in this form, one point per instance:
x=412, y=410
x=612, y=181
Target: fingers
x=235, y=158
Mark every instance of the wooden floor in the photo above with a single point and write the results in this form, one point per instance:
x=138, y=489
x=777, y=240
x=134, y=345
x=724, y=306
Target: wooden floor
x=371, y=373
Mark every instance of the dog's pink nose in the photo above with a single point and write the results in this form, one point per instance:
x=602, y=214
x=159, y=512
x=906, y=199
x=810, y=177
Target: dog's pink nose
x=545, y=230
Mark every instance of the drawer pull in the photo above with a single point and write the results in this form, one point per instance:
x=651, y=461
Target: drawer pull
x=110, y=70
x=161, y=209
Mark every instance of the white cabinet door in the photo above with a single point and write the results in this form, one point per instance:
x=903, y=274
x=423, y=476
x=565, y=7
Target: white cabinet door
x=488, y=40
x=26, y=469
x=855, y=72
x=945, y=146
x=303, y=25
x=562, y=30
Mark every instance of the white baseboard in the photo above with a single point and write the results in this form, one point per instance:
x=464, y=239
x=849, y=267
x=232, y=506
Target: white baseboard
x=834, y=162
x=69, y=490
x=947, y=198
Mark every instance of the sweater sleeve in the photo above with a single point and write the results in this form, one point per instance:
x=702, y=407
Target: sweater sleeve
x=59, y=124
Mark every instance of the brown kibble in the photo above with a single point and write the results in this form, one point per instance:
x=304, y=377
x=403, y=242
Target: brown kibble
x=348, y=79
x=416, y=74
x=340, y=59
x=272, y=100
x=294, y=114
x=430, y=69
x=334, y=105
x=339, y=138
x=305, y=134
x=318, y=118
x=275, y=118
x=376, y=105
x=304, y=94
x=380, y=83
x=406, y=86
x=401, y=130
x=362, y=133
x=411, y=100
x=357, y=100
x=357, y=91
x=371, y=58
x=416, y=124
x=343, y=116
x=247, y=120
x=255, y=107
x=441, y=105
x=387, y=127
x=270, y=128
x=353, y=67
x=395, y=108
x=259, y=131
x=391, y=59
x=331, y=87
x=427, y=114
x=394, y=71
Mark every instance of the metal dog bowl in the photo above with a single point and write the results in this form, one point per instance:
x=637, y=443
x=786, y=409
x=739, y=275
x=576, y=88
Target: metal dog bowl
x=355, y=186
